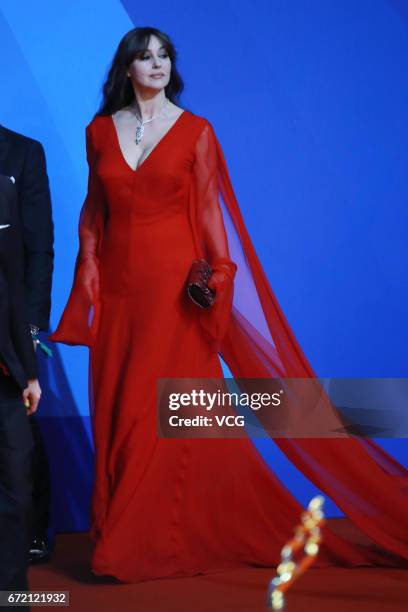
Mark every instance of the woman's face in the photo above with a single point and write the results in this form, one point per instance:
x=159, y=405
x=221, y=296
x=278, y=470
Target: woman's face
x=146, y=68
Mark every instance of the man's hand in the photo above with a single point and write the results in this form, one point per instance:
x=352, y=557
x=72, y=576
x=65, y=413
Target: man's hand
x=34, y=334
x=31, y=396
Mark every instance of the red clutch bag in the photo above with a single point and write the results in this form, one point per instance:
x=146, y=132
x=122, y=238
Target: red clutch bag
x=197, y=289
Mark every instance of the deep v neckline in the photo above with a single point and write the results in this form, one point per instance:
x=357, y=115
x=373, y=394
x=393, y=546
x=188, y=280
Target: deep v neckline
x=157, y=145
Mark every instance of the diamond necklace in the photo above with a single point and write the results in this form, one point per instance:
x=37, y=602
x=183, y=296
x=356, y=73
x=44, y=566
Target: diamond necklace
x=140, y=128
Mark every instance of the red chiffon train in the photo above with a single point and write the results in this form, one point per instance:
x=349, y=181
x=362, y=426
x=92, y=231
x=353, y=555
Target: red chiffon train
x=179, y=507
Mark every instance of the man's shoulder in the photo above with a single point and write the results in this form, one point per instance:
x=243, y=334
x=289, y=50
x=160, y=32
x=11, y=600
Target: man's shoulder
x=18, y=139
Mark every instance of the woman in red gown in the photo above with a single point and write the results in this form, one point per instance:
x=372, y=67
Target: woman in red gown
x=179, y=507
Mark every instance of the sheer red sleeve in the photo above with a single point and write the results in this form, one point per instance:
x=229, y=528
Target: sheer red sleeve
x=259, y=343
x=212, y=236
x=79, y=321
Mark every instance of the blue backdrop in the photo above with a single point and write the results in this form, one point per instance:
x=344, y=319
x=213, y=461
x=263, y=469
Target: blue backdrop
x=308, y=100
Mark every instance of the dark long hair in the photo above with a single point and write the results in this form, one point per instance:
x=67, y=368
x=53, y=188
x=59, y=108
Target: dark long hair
x=117, y=90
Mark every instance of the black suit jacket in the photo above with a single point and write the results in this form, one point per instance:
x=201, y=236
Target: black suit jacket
x=23, y=159
x=16, y=346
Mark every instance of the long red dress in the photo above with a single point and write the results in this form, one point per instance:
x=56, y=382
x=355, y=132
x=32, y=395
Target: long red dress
x=178, y=507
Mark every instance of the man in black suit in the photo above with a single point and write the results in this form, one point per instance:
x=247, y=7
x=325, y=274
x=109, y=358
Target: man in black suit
x=19, y=397
x=23, y=159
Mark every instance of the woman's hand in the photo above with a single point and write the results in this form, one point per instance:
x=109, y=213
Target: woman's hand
x=215, y=319
x=218, y=280
x=88, y=275
x=224, y=270
x=31, y=396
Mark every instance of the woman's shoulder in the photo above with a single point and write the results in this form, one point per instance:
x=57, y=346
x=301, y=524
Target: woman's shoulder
x=200, y=126
x=97, y=122
x=199, y=120
x=96, y=129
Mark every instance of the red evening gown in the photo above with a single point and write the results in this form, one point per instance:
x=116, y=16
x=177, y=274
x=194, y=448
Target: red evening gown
x=179, y=507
